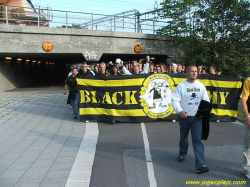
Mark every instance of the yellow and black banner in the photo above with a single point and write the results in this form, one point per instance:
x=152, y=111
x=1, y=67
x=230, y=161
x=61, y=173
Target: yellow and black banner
x=141, y=98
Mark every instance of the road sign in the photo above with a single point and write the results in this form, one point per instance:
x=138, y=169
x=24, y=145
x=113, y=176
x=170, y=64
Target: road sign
x=48, y=46
x=138, y=48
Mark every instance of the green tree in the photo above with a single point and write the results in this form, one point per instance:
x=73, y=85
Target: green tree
x=180, y=15
x=215, y=32
x=224, y=25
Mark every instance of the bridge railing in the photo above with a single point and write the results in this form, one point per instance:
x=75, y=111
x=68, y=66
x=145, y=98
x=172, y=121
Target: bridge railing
x=46, y=17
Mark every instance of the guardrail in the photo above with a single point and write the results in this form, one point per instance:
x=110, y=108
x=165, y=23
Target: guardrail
x=46, y=17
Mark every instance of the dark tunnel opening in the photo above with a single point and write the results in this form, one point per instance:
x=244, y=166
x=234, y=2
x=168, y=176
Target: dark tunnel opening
x=35, y=69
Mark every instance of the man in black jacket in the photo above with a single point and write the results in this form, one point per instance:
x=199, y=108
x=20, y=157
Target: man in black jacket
x=73, y=91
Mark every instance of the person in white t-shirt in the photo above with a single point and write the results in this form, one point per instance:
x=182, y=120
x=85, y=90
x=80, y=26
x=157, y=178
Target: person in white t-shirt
x=137, y=68
x=186, y=100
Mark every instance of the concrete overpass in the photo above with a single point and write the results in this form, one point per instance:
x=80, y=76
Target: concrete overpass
x=24, y=45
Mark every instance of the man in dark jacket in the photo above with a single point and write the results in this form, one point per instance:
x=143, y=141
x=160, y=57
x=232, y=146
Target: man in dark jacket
x=73, y=91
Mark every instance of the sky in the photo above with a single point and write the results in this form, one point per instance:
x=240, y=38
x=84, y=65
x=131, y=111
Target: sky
x=107, y=7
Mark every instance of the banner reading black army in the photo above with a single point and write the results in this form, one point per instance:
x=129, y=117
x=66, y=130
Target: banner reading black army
x=141, y=98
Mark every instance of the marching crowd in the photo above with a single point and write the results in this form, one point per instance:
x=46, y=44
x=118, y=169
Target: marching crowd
x=120, y=68
x=183, y=103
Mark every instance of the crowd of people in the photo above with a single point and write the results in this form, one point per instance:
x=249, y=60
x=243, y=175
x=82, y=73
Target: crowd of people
x=129, y=68
x=182, y=100
x=119, y=68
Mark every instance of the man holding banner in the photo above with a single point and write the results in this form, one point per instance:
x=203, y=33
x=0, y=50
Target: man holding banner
x=245, y=107
x=186, y=100
x=73, y=91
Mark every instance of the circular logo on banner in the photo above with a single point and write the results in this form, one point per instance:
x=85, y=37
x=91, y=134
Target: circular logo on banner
x=156, y=96
x=47, y=46
x=138, y=48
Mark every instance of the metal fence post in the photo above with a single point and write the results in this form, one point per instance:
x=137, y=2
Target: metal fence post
x=48, y=13
x=135, y=24
x=66, y=19
x=111, y=24
x=7, y=17
x=38, y=19
x=153, y=27
x=92, y=22
x=114, y=23
x=138, y=23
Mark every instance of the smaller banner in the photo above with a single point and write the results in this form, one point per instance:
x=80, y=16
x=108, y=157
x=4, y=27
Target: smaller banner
x=142, y=98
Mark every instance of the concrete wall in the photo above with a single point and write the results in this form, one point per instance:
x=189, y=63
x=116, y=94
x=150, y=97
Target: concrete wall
x=92, y=44
x=12, y=75
x=5, y=76
x=15, y=74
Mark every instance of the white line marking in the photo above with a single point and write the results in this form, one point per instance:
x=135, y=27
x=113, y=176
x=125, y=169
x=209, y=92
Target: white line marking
x=238, y=122
x=151, y=174
x=81, y=170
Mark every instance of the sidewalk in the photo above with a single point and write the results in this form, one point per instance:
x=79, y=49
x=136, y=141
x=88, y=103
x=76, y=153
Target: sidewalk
x=39, y=139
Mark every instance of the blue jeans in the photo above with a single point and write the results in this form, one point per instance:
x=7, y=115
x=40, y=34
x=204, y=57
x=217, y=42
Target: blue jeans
x=75, y=104
x=195, y=124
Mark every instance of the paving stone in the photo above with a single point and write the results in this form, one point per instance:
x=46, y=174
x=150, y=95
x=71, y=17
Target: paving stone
x=3, y=149
x=37, y=147
x=39, y=140
x=35, y=174
x=55, y=145
x=27, y=184
x=26, y=159
x=20, y=165
x=11, y=173
x=61, y=166
x=31, y=153
x=43, y=162
x=8, y=182
x=65, y=148
x=2, y=168
x=58, y=174
x=9, y=157
x=51, y=150
x=31, y=137
x=17, y=150
x=68, y=153
x=65, y=159
x=77, y=184
x=53, y=182
x=48, y=156
x=6, y=163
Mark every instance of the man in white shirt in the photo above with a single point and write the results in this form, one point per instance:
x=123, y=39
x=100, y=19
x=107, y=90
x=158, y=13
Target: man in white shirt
x=186, y=100
x=137, y=68
x=174, y=68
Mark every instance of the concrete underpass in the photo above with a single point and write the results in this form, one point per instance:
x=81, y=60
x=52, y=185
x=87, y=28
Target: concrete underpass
x=29, y=63
x=36, y=69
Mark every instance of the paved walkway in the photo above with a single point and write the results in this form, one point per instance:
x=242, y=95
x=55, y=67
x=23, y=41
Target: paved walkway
x=39, y=139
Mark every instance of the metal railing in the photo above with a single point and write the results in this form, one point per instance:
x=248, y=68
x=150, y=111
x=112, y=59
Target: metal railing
x=45, y=17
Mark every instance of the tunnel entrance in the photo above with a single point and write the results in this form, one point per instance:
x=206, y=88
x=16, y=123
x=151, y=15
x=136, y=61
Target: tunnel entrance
x=25, y=69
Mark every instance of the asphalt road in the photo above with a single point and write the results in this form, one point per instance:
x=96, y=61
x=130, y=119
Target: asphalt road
x=120, y=156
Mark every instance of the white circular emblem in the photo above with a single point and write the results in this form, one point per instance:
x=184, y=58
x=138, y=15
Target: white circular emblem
x=156, y=95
